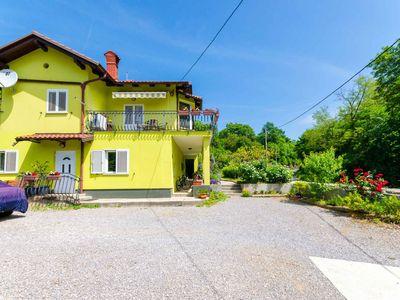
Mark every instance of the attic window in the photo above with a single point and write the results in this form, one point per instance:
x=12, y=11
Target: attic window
x=57, y=101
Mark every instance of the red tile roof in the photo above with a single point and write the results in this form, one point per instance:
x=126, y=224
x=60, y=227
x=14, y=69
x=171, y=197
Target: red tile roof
x=187, y=95
x=32, y=42
x=154, y=82
x=84, y=137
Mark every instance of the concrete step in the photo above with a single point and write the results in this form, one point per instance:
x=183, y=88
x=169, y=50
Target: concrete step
x=84, y=197
x=233, y=193
x=145, y=202
x=182, y=194
x=231, y=188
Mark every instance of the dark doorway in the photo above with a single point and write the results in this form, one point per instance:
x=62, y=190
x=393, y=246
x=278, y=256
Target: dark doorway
x=189, y=163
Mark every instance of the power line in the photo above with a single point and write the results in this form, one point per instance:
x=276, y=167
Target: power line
x=213, y=39
x=342, y=85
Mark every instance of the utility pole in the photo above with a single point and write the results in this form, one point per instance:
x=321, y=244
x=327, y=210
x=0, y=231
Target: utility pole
x=266, y=146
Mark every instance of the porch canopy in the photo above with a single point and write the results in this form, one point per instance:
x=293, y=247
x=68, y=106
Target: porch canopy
x=58, y=137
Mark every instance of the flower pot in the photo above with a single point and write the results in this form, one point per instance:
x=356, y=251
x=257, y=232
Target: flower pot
x=183, y=112
x=31, y=177
x=197, y=182
x=202, y=196
x=208, y=112
x=53, y=177
x=196, y=113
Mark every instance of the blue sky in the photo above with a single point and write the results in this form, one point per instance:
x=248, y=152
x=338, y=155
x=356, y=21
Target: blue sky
x=272, y=61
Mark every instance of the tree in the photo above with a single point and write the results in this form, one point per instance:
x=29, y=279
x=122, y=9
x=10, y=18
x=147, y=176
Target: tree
x=280, y=147
x=235, y=136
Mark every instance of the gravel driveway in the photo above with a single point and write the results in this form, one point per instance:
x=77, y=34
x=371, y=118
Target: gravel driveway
x=240, y=249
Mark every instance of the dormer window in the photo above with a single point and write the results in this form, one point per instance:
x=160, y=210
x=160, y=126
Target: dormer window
x=57, y=101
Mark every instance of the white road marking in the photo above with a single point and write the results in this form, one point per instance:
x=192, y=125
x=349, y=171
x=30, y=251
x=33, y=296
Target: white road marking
x=359, y=280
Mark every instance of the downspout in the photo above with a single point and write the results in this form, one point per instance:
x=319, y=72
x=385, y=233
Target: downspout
x=83, y=88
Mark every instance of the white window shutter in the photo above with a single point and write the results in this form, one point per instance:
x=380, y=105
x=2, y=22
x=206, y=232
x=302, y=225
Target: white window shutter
x=11, y=162
x=122, y=161
x=97, y=161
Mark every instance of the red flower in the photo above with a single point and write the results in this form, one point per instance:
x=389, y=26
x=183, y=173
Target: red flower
x=385, y=182
x=378, y=188
x=34, y=173
x=351, y=181
x=57, y=173
x=379, y=175
x=358, y=170
x=366, y=173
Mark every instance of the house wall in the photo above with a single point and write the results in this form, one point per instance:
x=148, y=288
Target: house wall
x=150, y=161
x=24, y=108
x=177, y=163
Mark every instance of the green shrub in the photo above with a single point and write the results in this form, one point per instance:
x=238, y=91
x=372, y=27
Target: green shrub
x=335, y=201
x=321, y=167
x=215, y=197
x=249, y=173
x=300, y=189
x=391, y=206
x=215, y=177
x=230, y=171
x=277, y=174
x=257, y=171
x=246, y=193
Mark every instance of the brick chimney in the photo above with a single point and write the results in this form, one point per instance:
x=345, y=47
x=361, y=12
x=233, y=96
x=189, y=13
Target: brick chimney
x=112, y=61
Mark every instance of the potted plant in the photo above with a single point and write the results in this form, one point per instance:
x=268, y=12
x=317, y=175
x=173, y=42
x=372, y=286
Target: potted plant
x=198, y=180
x=202, y=193
x=183, y=112
x=30, y=176
x=196, y=112
x=53, y=175
x=209, y=112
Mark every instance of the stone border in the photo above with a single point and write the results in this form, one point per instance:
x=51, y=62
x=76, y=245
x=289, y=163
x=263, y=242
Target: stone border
x=279, y=188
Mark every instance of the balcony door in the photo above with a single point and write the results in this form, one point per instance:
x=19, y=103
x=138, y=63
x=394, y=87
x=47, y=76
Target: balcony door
x=133, y=116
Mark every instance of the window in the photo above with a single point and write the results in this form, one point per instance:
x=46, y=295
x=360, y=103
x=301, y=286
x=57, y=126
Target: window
x=133, y=114
x=8, y=161
x=57, y=101
x=110, y=161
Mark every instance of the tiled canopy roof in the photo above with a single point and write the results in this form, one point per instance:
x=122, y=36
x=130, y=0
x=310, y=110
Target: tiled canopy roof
x=84, y=137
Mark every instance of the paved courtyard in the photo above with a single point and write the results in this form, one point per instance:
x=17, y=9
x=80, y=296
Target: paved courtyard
x=239, y=249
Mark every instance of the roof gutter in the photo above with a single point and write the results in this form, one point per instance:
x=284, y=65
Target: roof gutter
x=83, y=88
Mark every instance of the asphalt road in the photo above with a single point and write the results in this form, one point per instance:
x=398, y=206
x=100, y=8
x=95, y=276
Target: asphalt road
x=244, y=248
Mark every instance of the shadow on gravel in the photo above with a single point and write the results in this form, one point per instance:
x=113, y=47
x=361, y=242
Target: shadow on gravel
x=324, y=210
x=338, y=213
x=12, y=217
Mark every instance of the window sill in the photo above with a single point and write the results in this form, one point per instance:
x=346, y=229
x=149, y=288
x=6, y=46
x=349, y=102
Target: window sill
x=57, y=112
x=112, y=174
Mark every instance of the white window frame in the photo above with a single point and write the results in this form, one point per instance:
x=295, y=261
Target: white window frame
x=5, y=162
x=133, y=105
x=104, y=162
x=57, y=91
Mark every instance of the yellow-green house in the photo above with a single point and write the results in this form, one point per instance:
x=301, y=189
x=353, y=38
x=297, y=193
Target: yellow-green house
x=121, y=138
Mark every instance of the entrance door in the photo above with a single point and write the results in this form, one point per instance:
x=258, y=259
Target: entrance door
x=66, y=162
x=189, y=164
x=66, y=165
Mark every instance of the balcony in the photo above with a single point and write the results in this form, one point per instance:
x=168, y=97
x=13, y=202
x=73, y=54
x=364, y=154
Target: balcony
x=132, y=121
